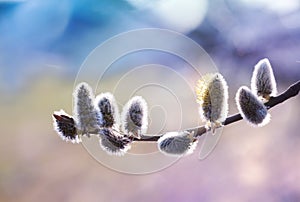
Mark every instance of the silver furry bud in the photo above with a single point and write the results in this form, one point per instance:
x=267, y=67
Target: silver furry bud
x=177, y=143
x=135, y=117
x=86, y=116
x=65, y=127
x=113, y=142
x=212, y=96
x=263, y=82
x=106, y=105
x=251, y=107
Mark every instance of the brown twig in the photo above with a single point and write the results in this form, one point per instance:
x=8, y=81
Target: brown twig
x=292, y=91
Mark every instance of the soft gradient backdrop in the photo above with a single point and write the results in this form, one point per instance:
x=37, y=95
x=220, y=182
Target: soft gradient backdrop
x=42, y=46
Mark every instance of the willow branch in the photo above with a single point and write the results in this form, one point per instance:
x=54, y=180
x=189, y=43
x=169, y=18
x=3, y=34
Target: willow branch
x=292, y=91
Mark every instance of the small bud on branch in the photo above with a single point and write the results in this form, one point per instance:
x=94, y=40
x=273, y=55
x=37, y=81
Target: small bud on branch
x=113, y=142
x=212, y=96
x=106, y=105
x=251, y=108
x=65, y=127
x=177, y=143
x=135, y=117
x=86, y=117
x=263, y=83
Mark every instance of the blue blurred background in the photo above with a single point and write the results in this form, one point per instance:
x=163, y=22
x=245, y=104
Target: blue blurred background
x=37, y=36
x=42, y=46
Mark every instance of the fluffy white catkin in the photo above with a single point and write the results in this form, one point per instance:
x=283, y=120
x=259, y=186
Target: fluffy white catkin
x=251, y=107
x=64, y=125
x=134, y=117
x=177, y=143
x=263, y=83
x=113, y=142
x=106, y=105
x=86, y=116
x=212, y=96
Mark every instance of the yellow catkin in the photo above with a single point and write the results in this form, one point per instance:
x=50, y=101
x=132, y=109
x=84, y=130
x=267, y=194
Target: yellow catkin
x=212, y=96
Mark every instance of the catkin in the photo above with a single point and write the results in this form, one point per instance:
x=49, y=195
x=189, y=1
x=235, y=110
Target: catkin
x=263, y=83
x=106, y=105
x=135, y=117
x=212, y=96
x=86, y=116
x=177, y=143
x=65, y=127
x=251, y=108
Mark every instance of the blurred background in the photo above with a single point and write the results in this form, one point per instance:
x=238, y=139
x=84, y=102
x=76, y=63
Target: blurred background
x=44, y=43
